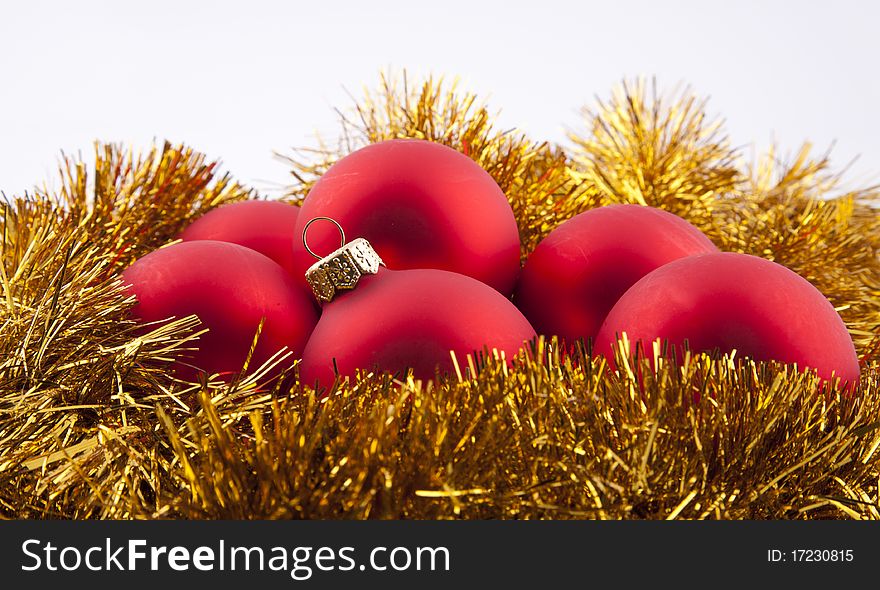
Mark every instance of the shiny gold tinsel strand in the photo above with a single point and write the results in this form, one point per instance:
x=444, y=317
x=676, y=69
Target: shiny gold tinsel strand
x=533, y=175
x=641, y=147
x=77, y=383
x=794, y=213
x=91, y=424
x=664, y=151
x=550, y=438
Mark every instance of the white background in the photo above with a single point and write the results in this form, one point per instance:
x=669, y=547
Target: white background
x=238, y=80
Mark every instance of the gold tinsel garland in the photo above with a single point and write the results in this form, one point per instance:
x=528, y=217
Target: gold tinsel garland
x=92, y=426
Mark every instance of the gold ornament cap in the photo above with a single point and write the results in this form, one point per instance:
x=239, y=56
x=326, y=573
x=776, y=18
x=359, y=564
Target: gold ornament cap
x=341, y=269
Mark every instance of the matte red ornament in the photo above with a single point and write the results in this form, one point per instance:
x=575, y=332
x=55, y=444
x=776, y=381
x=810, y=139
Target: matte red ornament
x=375, y=318
x=735, y=301
x=579, y=271
x=421, y=205
x=265, y=226
x=396, y=320
x=230, y=288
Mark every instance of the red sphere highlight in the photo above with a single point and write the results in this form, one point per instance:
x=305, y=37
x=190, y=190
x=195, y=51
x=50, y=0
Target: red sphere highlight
x=269, y=227
x=735, y=301
x=421, y=205
x=230, y=288
x=579, y=271
x=395, y=320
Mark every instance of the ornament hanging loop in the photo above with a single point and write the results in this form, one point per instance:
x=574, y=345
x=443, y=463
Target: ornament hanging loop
x=313, y=220
x=341, y=269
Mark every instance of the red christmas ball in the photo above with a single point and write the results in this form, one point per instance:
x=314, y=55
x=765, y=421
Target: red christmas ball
x=579, y=271
x=230, y=288
x=735, y=301
x=395, y=320
x=421, y=205
x=269, y=227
